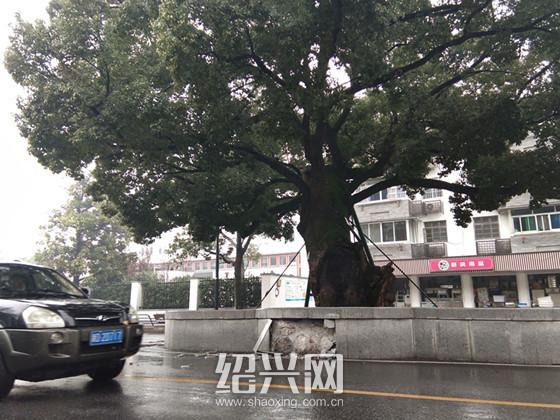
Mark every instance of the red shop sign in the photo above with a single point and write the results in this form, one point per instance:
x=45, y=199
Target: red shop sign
x=461, y=264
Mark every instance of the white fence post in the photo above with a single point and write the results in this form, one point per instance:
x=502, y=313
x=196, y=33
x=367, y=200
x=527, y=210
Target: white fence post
x=193, y=294
x=467, y=291
x=523, y=289
x=136, y=295
x=415, y=295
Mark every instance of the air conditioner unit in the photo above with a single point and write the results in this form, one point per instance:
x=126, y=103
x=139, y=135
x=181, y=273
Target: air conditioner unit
x=431, y=207
x=416, y=208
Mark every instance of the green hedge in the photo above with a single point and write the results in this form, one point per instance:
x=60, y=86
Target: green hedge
x=175, y=295
x=172, y=295
x=119, y=292
x=250, y=295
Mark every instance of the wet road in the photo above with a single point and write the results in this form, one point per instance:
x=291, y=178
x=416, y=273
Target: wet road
x=157, y=384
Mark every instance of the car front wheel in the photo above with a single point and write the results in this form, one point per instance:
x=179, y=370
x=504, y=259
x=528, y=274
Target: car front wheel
x=6, y=380
x=106, y=373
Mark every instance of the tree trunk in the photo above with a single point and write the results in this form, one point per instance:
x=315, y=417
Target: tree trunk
x=239, y=272
x=76, y=280
x=339, y=271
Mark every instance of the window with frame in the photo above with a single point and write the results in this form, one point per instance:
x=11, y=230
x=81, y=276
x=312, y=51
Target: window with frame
x=388, y=194
x=379, y=195
x=539, y=220
x=432, y=193
x=386, y=231
x=487, y=227
x=272, y=261
x=282, y=260
x=264, y=262
x=396, y=192
x=435, y=231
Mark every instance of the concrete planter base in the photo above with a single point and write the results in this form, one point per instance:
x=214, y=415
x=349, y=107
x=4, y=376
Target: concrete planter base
x=511, y=336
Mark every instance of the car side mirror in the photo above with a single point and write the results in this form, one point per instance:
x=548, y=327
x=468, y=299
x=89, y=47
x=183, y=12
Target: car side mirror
x=85, y=290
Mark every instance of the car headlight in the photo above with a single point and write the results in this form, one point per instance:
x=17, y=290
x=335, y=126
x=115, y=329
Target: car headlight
x=132, y=315
x=35, y=317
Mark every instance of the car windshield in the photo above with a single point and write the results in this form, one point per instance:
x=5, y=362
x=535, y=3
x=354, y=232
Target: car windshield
x=21, y=281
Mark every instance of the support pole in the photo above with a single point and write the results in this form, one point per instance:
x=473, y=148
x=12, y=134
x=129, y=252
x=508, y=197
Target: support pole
x=217, y=282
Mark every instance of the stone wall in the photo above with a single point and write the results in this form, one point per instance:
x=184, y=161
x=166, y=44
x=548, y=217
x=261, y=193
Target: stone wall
x=493, y=335
x=302, y=337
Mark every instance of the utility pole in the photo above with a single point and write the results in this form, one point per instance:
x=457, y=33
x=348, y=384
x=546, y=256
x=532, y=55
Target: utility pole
x=217, y=282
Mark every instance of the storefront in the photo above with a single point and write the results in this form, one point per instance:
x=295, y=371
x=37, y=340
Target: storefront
x=445, y=291
x=543, y=285
x=495, y=291
x=512, y=280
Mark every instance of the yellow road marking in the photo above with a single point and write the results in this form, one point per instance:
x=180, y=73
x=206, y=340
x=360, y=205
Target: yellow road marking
x=363, y=392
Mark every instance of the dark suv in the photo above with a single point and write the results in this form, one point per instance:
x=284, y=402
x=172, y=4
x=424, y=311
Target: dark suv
x=50, y=329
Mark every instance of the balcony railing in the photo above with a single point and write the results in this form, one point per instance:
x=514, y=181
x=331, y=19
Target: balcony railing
x=429, y=250
x=423, y=208
x=493, y=247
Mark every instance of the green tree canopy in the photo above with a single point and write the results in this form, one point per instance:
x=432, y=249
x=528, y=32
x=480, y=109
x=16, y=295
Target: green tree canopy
x=84, y=243
x=236, y=114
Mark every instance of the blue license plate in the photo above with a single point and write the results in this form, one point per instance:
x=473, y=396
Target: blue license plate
x=100, y=338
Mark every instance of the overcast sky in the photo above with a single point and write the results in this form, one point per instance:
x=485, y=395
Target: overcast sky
x=29, y=193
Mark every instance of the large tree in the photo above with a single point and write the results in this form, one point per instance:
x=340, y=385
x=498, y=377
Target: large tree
x=81, y=241
x=236, y=114
x=230, y=248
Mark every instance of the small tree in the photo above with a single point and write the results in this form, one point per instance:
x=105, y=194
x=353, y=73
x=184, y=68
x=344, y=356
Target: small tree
x=84, y=243
x=232, y=249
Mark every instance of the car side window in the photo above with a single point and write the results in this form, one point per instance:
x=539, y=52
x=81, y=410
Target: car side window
x=14, y=280
x=42, y=281
x=4, y=278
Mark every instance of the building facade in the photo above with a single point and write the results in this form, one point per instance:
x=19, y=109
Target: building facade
x=508, y=257
x=206, y=268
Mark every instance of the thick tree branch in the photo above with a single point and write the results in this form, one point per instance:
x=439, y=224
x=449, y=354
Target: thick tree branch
x=459, y=77
x=437, y=51
x=442, y=185
x=288, y=206
x=430, y=12
x=291, y=173
x=468, y=190
x=261, y=64
x=475, y=12
x=246, y=243
x=328, y=47
x=372, y=189
x=534, y=77
x=342, y=118
x=387, y=149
